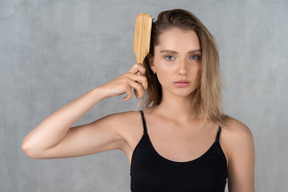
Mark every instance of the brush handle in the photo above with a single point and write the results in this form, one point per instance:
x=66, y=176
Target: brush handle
x=142, y=36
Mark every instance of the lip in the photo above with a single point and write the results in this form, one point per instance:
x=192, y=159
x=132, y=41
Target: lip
x=181, y=83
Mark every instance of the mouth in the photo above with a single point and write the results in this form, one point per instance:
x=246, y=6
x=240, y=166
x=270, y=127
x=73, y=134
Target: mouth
x=181, y=83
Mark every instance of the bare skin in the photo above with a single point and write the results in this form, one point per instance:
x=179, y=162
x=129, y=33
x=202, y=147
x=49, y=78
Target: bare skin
x=173, y=127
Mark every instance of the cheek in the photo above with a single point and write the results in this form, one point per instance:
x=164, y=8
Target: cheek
x=162, y=75
x=196, y=73
x=165, y=67
x=163, y=72
x=159, y=66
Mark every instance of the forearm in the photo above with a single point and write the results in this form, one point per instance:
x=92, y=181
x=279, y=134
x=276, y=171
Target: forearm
x=53, y=129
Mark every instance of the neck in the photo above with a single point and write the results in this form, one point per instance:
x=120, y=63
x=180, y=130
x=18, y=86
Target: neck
x=178, y=108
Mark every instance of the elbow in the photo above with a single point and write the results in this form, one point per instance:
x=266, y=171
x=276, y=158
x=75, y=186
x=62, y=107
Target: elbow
x=30, y=152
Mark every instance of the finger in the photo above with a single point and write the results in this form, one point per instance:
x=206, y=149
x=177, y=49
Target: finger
x=138, y=87
x=141, y=69
x=129, y=95
x=137, y=68
x=141, y=79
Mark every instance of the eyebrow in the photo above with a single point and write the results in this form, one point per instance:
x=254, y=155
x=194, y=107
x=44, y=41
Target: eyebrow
x=170, y=51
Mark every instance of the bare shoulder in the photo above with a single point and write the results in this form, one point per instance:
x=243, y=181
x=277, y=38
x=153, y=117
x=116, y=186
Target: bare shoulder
x=236, y=129
x=236, y=137
x=238, y=146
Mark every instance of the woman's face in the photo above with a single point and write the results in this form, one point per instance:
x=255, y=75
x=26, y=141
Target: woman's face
x=177, y=61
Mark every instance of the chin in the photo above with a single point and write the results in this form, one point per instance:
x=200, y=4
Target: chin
x=180, y=92
x=184, y=93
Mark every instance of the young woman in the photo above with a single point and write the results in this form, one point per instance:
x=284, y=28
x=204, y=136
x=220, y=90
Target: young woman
x=181, y=140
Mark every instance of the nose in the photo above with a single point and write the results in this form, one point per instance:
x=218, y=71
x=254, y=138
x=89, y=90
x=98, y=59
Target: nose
x=182, y=67
x=182, y=72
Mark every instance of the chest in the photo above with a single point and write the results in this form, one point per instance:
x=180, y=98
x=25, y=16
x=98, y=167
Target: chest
x=150, y=171
x=180, y=144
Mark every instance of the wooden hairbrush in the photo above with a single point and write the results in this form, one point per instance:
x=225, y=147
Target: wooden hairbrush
x=142, y=35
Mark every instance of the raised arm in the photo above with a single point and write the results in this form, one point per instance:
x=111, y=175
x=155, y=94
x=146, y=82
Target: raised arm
x=54, y=137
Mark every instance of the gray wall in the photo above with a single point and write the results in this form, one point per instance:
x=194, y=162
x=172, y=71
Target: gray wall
x=52, y=52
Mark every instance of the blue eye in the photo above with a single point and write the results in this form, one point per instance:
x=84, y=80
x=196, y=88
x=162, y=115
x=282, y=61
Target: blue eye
x=195, y=57
x=169, y=57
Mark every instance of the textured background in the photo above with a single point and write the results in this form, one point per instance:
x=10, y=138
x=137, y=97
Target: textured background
x=52, y=52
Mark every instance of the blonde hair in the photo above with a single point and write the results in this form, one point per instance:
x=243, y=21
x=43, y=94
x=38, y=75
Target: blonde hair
x=207, y=97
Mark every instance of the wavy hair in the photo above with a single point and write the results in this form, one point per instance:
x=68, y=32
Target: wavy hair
x=207, y=97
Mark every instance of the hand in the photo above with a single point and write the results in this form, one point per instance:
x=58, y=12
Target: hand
x=125, y=82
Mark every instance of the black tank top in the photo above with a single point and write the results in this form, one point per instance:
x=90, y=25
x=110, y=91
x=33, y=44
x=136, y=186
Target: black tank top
x=150, y=172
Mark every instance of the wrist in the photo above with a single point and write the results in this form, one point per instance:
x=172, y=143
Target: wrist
x=98, y=92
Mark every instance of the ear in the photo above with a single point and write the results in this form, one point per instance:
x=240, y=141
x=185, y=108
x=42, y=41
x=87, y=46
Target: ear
x=151, y=61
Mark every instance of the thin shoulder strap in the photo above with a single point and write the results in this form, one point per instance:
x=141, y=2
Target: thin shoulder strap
x=218, y=133
x=144, y=122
